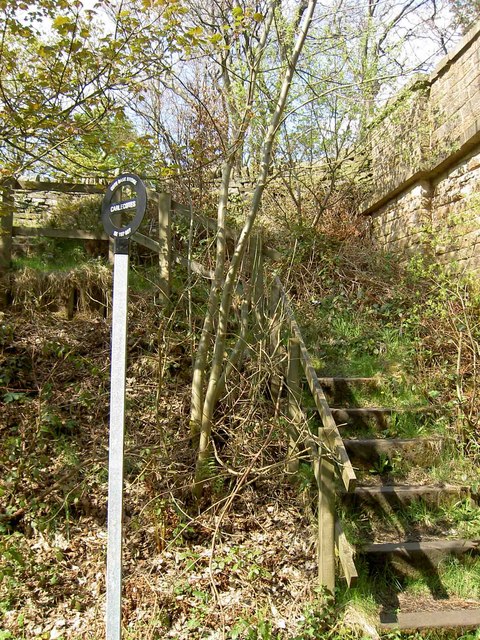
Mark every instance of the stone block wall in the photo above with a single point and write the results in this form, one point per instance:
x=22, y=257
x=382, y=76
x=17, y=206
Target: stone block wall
x=33, y=207
x=35, y=200
x=454, y=99
x=455, y=214
x=399, y=140
x=399, y=225
x=426, y=164
x=440, y=217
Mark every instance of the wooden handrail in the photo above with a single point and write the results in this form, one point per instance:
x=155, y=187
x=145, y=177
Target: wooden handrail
x=326, y=448
x=77, y=234
x=334, y=439
x=50, y=232
x=210, y=223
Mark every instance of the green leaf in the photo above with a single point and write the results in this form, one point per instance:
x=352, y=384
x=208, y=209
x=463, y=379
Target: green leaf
x=16, y=556
x=12, y=396
x=61, y=21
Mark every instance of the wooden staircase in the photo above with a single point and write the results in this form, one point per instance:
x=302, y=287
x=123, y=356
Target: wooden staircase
x=353, y=451
x=378, y=494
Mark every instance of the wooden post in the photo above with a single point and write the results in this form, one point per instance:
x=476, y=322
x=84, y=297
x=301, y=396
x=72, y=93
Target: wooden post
x=164, y=241
x=325, y=477
x=274, y=313
x=6, y=228
x=294, y=395
x=256, y=258
x=275, y=329
x=346, y=555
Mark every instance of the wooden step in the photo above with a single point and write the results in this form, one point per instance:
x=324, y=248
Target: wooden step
x=343, y=390
x=423, y=551
x=373, y=416
x=395, y=495
x=416, y=450
x=416, y=559
x=422, y=620
x=333, y=380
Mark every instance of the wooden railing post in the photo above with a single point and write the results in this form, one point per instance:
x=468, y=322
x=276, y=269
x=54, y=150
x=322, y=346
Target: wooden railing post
x=256, y=258
x=274, y=313
x=6, y=228
x=275, y=330
x=294, y=398
x=164, y=241
x=325, y=477
x=327, y=450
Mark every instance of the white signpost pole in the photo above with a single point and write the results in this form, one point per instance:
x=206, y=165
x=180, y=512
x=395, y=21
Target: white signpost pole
x=115, y=460
x=111, y=218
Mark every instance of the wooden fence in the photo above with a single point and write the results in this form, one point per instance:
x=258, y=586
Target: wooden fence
x=273, y=314
x=167, y=212
x=330, y=460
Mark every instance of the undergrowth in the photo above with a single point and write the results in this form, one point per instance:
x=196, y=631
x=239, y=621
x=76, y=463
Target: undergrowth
x=416, y=327
x=240, y=565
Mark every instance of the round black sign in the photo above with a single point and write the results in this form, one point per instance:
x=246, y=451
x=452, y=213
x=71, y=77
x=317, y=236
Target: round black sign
x=112, y=212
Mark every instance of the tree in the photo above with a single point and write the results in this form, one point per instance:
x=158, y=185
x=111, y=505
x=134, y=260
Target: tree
x=113, y=144
x=245, y=51
x=465, y=12
x=224, y=284
x=214, y=85
x=188, y=124
x=62, y=69
x=356, y=57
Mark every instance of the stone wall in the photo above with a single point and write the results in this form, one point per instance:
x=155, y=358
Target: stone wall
x=32, y=208
x=426, y=163
x=35, y=200
x=439, y=216
x=399, y=141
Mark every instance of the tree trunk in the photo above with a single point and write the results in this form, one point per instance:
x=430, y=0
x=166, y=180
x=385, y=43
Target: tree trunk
x=208, y=324
x=233, y=271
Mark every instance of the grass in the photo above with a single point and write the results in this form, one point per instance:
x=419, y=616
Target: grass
x=408, y=424
x=48, y=255
x=461, y=578
x=460, y=520
x=412, y=425
x=396, y=391
x=454, y=578
x=357, y=344
x=386, y=590
x=454, y=466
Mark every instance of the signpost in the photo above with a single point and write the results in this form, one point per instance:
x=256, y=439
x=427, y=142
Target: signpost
x=115, y=208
